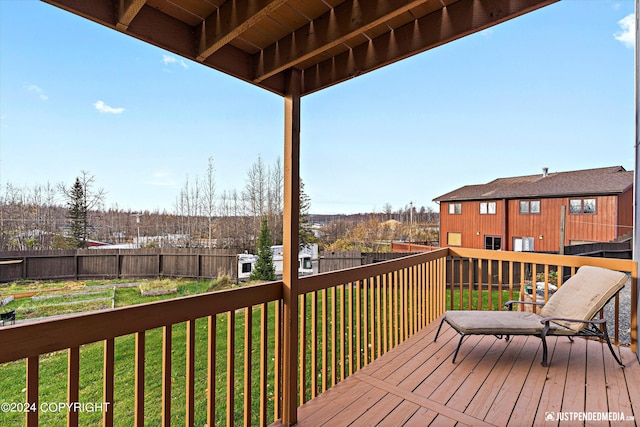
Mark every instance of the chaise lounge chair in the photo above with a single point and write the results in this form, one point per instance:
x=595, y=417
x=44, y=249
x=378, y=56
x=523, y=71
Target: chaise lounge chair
x=569, y=312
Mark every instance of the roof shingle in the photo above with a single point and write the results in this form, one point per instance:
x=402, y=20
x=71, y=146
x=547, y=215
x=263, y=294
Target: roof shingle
x=600, y=181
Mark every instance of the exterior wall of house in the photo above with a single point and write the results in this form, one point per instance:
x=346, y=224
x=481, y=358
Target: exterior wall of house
x=579, y=228
x=625, y=213
x=540, y=230
x=472, y=225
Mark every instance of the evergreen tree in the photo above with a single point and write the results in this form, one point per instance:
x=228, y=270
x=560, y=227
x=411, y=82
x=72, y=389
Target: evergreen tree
x=264, y=269
x=77, y=214
x=81, y=200
x=306, y=236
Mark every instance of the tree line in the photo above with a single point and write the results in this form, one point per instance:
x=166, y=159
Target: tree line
x=60, y=216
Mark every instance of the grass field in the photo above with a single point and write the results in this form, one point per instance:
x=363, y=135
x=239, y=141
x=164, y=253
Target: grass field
x=53, y=367
x=485, y=299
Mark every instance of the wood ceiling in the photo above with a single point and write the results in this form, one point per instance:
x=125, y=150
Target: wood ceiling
x=328, y=40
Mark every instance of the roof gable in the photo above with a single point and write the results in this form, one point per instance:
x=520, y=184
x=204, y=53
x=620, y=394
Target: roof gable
x=601, y=181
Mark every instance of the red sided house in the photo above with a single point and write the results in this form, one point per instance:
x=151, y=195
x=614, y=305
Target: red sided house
x=539, y=212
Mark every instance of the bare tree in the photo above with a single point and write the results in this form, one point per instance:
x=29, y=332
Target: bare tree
x=387, y=209
x=209, y=196
x=275, y=201
x=255, y=193
x=187, y=208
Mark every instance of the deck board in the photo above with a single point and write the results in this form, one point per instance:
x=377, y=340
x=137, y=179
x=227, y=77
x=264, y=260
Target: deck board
x=492, y=383
x=574, y=391
x=631, y=374
x=555, y=383
x=596, y=392
x=499, y=378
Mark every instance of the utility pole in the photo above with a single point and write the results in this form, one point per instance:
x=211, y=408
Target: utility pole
x=563, y=214
x=137, y=215
x=410, y=223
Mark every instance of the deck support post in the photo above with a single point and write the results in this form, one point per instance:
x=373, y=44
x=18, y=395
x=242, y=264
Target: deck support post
x=635, y=305
x=291, y=223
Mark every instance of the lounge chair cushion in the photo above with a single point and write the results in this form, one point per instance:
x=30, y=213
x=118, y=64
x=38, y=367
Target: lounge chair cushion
x=583, y=295
x=472, y=322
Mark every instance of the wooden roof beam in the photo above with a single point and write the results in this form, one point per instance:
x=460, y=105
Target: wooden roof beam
x=230, y=20
x=155, y=27
x=127, y=10
x=100, y=11
x=461, y=18
x=342, y=23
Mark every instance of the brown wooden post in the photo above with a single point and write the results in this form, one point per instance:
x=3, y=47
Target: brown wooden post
x=33, y=381
x=563, y=216
x=108, y=381
x=73, y=384
x=290, y=244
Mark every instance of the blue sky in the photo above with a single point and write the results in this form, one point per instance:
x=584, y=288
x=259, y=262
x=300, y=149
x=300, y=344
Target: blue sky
x=553, y=88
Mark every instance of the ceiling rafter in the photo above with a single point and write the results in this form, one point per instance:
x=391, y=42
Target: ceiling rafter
x=457, y=20
x=337, y=45
x=128, y=9
x=230, y=20
x=342, y=23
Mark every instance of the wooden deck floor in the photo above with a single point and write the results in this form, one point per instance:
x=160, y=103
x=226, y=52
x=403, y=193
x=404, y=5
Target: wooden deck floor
x=493, y=383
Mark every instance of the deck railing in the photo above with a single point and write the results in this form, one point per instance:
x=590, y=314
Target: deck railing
x=350, y=317
x=217, y=358
x=479, y=279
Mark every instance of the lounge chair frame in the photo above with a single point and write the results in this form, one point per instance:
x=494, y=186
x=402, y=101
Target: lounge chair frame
x=595, y=328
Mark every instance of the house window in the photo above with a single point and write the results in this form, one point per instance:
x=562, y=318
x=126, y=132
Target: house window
x=582, y=206
x=523, y=244
x=529, y=207
x=589, y=206
x=454, y=239
x=455, y=208
x=493, y=243
x=487, y=208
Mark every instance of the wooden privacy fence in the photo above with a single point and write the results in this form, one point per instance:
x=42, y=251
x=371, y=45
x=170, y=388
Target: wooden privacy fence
x=118, y=263
x=339, y=260
x=227, y=347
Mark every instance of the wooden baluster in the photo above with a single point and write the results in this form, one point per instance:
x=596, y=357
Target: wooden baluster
x=211, y=370
x=166, y=375
x=231, y=349
x=73, y=384
x=32, y=390
x=264, y=338
x=108, y=381
x=138, y=412
x=190, y=373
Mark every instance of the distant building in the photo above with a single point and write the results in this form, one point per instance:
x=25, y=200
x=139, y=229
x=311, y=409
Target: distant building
x=539, y=212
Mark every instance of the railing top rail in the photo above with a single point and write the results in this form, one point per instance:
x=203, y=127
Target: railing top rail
x=329, y=279
x=32, y=339
x=551, y=259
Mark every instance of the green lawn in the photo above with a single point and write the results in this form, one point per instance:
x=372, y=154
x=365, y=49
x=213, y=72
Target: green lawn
x=53, y=367
x=53, y=377
x=485, y=299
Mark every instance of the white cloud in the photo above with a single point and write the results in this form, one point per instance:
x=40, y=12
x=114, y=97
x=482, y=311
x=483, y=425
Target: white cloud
x=487, y=32
x=172, y=60
x=627, y=32
x=37, y=91
x=104, y=108
x=163, y=179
